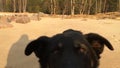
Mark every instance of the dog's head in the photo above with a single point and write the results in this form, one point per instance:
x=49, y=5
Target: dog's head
x=61, y=51
x=98, y=42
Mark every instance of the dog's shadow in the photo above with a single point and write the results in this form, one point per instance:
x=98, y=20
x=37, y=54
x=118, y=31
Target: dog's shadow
x=17, y=58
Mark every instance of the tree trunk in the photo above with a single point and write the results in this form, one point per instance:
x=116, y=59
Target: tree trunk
x=119, y=5
x=14, y=5
x=3, y=5
x=96, y=11
x=0, y=5
x=85, y=5
x=98, y=6
x=104, y=6
x=65, y=9
x=81, y=6
x=51, y=5
x=54, y=7
x=24, y=5
x=89, y=7
x=72, y=7
x=20, y=6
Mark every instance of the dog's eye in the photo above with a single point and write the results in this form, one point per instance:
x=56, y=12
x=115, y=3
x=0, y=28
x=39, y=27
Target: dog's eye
x=81, y=48
x=57, y=48
x=56, y=51
x=60, y=45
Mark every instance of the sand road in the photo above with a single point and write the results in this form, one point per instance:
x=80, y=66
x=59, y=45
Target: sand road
x=14, y=40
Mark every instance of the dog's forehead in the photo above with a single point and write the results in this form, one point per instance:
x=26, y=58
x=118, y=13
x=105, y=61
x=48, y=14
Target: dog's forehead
x=68, y=42
x=62, y=39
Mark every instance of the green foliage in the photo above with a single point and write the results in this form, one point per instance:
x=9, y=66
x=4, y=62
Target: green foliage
x=33, y=5
x=112, y=5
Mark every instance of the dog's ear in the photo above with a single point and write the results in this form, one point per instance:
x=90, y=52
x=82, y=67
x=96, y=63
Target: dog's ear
x=101, y=40
x=37, y=45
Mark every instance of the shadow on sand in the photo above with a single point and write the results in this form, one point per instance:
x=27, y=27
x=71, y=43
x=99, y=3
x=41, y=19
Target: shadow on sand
x=17, y=58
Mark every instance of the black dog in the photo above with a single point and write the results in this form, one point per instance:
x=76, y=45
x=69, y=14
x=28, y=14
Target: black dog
x=63, y=51
x=98, y=42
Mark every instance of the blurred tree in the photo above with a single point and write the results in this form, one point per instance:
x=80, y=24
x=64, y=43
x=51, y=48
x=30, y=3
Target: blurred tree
x=119, y=5
x=14, y=5
x=70, y=7
x=20, y=5
x=24, y=5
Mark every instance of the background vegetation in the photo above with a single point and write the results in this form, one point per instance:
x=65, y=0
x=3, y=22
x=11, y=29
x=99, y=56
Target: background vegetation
x=60, y=6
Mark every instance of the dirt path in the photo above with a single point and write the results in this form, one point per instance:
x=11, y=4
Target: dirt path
x=14, y=40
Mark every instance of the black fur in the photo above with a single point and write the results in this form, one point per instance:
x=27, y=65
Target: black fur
x=39, y=46
x=98, y=42
x=63, y=51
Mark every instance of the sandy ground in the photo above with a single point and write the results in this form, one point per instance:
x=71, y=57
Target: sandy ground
x=14, y=40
